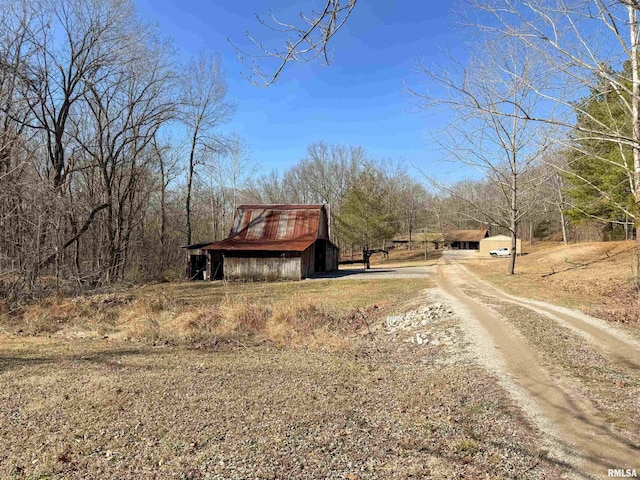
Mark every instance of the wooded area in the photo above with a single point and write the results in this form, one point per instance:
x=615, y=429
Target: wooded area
x=113, y=153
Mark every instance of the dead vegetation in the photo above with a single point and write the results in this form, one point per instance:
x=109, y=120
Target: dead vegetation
x=595, y=277
x=101, y=408
x=310, y=313
x=262, y=380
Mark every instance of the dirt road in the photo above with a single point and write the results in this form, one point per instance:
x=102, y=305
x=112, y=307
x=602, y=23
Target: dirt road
x=576, y=377
x=378, y=272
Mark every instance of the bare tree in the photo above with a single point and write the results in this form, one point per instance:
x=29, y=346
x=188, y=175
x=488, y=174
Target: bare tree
x=583, y=43
x=554, y=189
x=71, y=42
x=239, y=166
x=324, y=175
x=305, y=40
x=204, y=108
x=91, y=89
x=167, y=164
x=486, y=131
x=268, y=188
x=412, y=201
x=226, y=171
x=124, y=111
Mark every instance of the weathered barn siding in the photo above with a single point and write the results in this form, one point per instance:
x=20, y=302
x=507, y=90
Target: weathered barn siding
x=332, y=257
x=307, y=264
x=254, y=269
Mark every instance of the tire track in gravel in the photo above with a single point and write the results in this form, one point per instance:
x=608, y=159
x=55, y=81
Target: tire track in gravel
x=620, y=347
x=574, y=429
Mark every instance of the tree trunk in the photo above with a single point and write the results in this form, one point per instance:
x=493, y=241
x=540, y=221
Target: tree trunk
x=512, y=259
x=426, y=248
x=563, y=221
x=192, y=155
x=163, y=222
x=635, y=118
x=513, y=224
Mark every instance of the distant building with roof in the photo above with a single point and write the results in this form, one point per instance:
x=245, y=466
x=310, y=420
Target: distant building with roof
x=270, y=242
x=465, y=239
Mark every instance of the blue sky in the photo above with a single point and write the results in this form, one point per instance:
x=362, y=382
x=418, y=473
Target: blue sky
x=359, y=99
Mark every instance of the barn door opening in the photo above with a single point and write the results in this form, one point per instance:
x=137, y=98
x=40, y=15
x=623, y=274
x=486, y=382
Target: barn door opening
x=321, y=256
x=197, y=267
x=216, y=271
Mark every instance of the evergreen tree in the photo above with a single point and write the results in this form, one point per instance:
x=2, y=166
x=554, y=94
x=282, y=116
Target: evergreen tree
x=599, y=169
x=366, y=217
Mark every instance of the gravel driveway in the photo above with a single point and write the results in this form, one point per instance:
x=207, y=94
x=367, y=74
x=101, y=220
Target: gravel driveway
x=575, y=377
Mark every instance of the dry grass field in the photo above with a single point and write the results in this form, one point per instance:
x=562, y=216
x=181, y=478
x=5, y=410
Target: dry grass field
x=201, y=312
x=97, y=411
x=281, y=380
x=595, y=277
x=402, y=256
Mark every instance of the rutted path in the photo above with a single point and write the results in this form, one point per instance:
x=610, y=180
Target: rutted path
x=568, y=406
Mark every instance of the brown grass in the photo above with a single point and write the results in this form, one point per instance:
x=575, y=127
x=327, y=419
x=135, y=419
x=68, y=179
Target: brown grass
x=97, y=409
x=307, y=386
x=406, y=256
x=318, y=313
x=595, y=277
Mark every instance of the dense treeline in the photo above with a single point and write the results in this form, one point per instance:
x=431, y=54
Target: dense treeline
x=88, y=174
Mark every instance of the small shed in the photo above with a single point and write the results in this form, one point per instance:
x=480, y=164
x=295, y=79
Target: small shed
x=496, y=242
x=277, y=242
x=201, y=264
x=465, y=239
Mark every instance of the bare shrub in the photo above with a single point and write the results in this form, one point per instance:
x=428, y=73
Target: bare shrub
x=251, y=318
x=160, y=318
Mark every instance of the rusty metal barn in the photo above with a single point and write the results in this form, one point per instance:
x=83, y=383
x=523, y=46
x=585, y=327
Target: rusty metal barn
x=273, y=242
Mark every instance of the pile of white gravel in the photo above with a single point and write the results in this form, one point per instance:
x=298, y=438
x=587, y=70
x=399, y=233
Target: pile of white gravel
x=431, y=325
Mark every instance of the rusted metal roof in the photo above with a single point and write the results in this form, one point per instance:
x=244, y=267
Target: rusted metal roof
x=291, y=228
x=234, y=244
x=275, y=206
x=465, y=235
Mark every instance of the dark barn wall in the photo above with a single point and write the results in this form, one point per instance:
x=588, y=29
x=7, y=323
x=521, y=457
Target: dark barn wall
x=326, y=256
x=197, y=267
x=307, y=264
x=323, y=225
x=215, y=267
